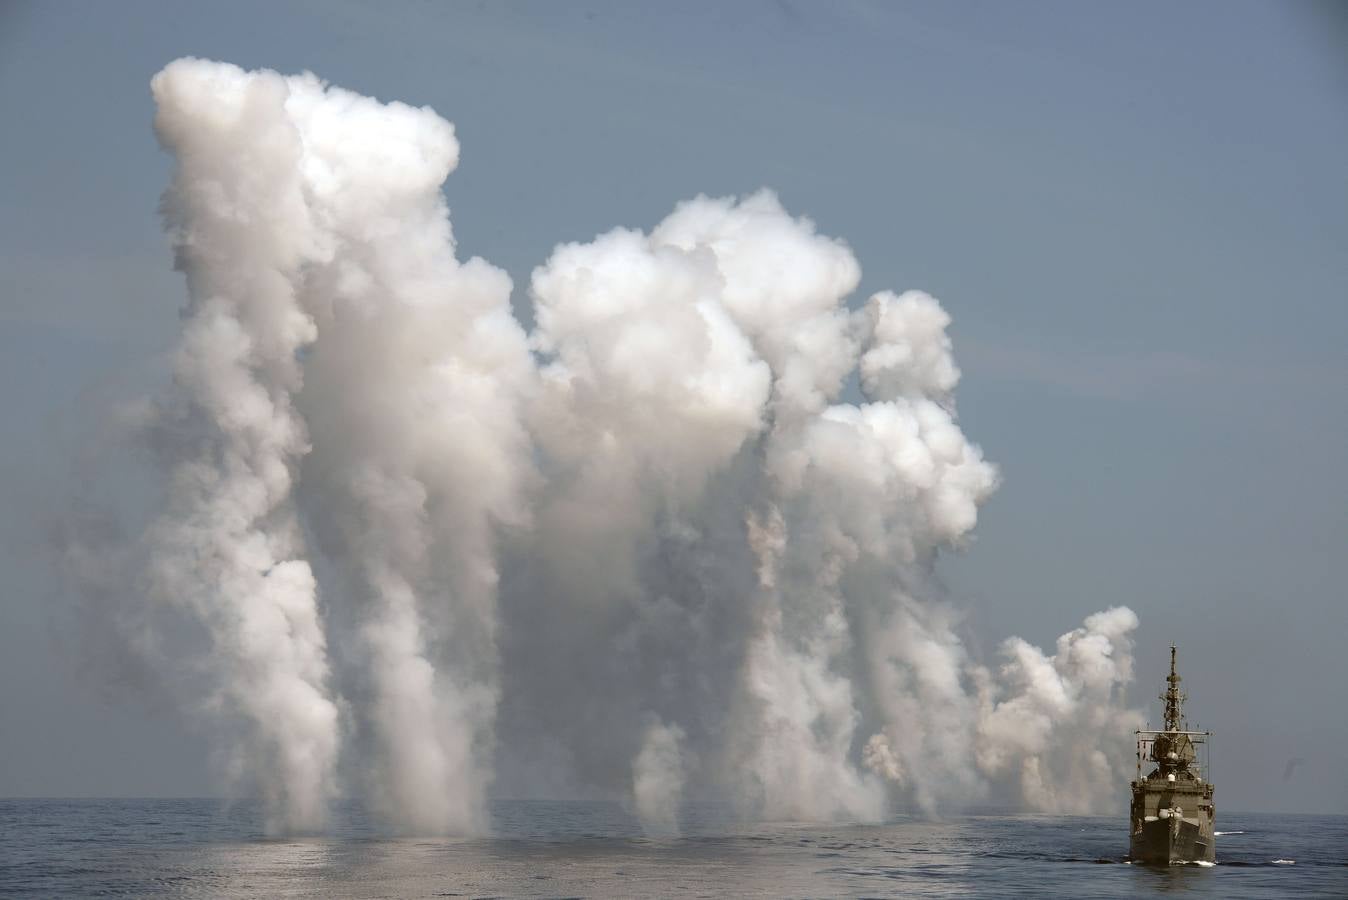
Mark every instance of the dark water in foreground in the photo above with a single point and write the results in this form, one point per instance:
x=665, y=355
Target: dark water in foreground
x=203, y=848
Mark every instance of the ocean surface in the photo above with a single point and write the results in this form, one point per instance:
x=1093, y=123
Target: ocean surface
x=206, y=848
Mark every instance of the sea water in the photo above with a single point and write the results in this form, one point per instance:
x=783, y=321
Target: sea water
x=208, y=848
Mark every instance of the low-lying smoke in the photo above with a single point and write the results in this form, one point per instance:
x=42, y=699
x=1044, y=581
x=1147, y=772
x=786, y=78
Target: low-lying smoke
x=645, y=552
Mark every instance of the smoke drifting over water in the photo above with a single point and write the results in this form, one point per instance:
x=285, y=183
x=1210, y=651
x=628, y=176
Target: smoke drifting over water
x=644, y=552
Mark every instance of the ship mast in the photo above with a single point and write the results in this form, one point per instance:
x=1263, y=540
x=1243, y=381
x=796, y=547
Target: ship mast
x=1173, y=698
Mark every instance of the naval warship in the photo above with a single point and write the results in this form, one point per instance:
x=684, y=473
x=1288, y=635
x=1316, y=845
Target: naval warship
x=1172, y=812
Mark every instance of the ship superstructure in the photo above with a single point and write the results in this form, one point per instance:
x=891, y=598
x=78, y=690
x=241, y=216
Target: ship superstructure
x=1172, y=816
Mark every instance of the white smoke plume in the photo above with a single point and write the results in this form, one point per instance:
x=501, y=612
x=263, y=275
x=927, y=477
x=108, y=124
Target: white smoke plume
x=412, y=392
x=657, y=778
x=646, y=553
x=407, y=368
x=1058, y=722
x=228, y=546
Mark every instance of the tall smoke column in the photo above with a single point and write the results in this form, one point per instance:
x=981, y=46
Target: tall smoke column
x=410, y=389
x=924, y=481
x=228, y=547
x=412, y=393
x=792, y=731
x=647, y=391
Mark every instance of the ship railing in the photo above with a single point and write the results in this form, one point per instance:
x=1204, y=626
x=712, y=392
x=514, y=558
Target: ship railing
x=1202, y=741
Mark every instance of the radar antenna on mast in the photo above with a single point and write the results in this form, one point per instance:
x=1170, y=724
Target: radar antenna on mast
x=1174, y=698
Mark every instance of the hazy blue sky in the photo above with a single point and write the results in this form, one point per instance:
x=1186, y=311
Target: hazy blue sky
x=1137, y=215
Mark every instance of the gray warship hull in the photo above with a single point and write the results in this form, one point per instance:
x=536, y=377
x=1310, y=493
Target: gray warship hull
x=1171, y=825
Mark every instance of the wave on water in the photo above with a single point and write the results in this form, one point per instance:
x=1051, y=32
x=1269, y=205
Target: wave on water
x=1284, y=862
x=1221, y=833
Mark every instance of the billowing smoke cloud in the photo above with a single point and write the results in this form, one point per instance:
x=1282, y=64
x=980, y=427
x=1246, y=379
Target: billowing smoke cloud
x=647, y=552
x=228, y=546
x=412, y=371
x=1056, y=722
x=412, y=393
